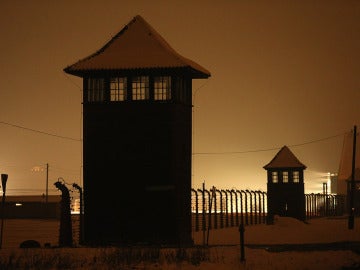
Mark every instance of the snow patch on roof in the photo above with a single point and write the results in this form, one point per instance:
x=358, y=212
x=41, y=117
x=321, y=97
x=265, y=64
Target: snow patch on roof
x=284, y=159
x=136, y=46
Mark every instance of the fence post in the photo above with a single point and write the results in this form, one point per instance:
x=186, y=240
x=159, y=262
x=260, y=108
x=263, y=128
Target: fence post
x=246, y=208
x=263, y=203
x=255, y=208
x=259, y=198
x=251, y=212
x=203, y=212
x=215, y=209
x=221, y=210
x=241, y=207
x=236, y=207
x=196, y=210
x=231, y=208
x=226, y=208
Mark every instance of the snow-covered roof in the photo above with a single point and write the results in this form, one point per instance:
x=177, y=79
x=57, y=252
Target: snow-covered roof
x=136, y=46
x=284, y=159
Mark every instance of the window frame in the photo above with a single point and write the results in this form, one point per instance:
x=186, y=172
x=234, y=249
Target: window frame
x=162, y=88
x=95, y=90
x=119, y=93
x=274, y=177
x=296, y=176
x=141, y=85
x=285, y=177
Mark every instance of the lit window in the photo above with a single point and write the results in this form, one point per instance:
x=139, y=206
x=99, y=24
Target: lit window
x=140, y=88
x=162, y=88
x=296, y=177
x=95, y=90
x=274, y=177
x=285, y=176
x=118, y=89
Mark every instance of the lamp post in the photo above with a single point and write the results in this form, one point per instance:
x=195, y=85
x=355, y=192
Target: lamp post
x=351, y=219
x=4, y=178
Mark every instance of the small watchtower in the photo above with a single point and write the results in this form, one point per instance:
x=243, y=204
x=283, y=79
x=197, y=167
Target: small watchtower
x=285, y=186
x=137, y=122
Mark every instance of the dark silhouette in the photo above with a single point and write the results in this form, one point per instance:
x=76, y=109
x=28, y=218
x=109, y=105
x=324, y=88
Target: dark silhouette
x=65, y=235
x=30, y=244
x=285, y=186
x=137, y=121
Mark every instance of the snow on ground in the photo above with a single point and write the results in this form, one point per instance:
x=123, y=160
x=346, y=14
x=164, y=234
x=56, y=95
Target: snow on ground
x=224, y=245
x=287, y=231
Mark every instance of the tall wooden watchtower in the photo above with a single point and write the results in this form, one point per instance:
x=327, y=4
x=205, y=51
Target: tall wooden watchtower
x=285, y=186
x=137, y=105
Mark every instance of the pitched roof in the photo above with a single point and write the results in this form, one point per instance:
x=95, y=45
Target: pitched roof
x=284, y=159
x=136, y=46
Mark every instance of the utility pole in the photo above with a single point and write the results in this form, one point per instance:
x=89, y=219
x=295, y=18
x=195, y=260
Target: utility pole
x=352, y=188
x=4, y=178
x=47, y=183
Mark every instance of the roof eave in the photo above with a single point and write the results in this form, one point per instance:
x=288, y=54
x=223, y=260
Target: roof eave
x=194, y=73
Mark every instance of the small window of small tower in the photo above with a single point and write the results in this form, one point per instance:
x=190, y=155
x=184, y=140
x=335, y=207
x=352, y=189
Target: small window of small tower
x=162, y=88
x=285, y=176
x=296, y=177
x=118, y=88
x=140, y=88
x=274, y=177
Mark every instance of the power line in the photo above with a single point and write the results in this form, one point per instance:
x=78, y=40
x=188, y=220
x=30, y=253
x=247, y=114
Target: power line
x=266, y=149
x=41, y=132
x=196, y=153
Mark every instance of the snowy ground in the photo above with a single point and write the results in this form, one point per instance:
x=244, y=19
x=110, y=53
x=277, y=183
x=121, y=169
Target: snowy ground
x=224, y=245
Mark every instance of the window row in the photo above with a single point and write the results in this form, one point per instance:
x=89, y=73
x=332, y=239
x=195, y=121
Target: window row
x=285, y=177
x=158, y=88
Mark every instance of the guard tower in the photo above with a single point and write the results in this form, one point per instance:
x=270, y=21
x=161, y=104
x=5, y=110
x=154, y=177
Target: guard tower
x=285, y=186
x=137, y=105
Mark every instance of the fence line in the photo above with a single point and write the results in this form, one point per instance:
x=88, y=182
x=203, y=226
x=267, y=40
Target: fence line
x=222, y=208
x=219, y=208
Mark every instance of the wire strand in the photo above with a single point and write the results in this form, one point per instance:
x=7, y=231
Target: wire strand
x=39, y=131
x=267, y=149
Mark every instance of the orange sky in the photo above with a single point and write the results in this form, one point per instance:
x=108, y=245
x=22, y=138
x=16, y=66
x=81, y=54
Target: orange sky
x=284, y=73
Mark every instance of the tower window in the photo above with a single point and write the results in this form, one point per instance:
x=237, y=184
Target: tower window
x=140, y=88
x=162, y=88
x=296, y=177
x=274, y=177
x=95, y=90
x=118, y=88
x=285, y=176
